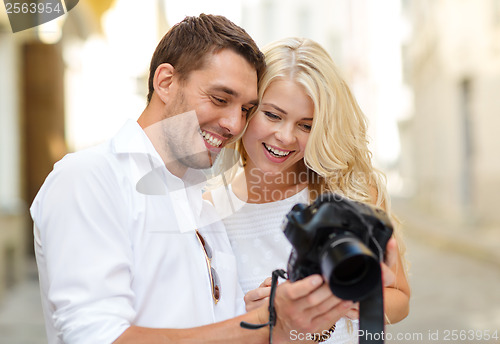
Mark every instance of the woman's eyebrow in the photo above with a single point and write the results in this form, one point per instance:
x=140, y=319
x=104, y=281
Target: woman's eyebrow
x=284, y=112
x=276, y=108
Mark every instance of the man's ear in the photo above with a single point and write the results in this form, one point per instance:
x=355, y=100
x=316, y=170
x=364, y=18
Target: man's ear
x=162, y=80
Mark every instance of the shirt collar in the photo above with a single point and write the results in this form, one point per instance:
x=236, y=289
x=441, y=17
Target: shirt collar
x=153, y=178
x=131, y=138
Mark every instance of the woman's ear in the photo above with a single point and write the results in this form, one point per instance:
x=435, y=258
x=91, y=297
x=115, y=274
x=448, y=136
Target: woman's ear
x=162, y=80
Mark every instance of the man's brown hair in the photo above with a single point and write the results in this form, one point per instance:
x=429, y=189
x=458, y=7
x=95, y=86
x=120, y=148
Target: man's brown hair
x=186, y=45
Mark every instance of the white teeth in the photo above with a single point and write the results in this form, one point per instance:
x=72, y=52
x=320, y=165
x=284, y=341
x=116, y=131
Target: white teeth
x=210, y=138
x=277, y=152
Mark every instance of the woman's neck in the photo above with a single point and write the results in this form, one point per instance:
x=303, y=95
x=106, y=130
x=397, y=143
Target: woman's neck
x=256, y=186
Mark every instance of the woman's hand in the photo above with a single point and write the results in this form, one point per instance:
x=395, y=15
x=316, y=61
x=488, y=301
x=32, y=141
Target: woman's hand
x=396, y=288
x=388, y=275
x=258, y=297
x=390, y=263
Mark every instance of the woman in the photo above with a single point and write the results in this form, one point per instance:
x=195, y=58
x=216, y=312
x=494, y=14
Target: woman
x=308, y=136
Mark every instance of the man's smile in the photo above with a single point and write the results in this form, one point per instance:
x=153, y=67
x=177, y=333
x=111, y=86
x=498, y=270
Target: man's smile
x=212, y=139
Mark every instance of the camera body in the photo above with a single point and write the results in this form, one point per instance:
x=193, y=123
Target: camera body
x=341, y=239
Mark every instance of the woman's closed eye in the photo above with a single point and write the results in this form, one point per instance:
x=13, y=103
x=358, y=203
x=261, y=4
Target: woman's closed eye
x=271, y=116
x=305, y=127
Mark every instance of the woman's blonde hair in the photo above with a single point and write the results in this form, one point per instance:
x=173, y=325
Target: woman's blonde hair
x=336, y=154
x=337, y=149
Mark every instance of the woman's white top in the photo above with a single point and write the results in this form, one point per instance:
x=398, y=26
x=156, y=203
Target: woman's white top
x=259, y=244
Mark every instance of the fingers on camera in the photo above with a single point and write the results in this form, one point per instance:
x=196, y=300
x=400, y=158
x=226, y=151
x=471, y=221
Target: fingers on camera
x=303, y=287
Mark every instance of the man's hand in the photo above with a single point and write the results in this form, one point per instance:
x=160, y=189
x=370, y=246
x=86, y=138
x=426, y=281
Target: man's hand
x=306, y=306
x=260, y=296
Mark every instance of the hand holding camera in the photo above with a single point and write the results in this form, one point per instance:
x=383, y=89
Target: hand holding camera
x=346, y=243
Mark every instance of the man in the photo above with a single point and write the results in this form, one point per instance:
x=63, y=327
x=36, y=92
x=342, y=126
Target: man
x=126, y=249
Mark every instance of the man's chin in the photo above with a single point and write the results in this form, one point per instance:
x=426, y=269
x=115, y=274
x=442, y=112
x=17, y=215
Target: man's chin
x=201, y=161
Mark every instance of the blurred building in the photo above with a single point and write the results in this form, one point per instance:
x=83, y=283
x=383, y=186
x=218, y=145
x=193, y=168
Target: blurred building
x=451, y=143
x=12, y=205
x=32, y=122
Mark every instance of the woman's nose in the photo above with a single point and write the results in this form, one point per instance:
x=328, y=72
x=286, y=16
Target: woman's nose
x=285, y=135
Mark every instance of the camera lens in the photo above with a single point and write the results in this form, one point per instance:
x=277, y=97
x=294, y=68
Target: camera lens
x=350, y=268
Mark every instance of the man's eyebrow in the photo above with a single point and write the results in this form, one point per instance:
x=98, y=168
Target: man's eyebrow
x=233, y=93
x=225, y=90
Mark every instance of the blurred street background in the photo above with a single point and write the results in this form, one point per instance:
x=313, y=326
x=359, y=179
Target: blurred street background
x=452, y=291
x=425, y=72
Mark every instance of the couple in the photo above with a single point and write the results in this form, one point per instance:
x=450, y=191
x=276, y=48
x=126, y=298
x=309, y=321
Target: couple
x=128, y=259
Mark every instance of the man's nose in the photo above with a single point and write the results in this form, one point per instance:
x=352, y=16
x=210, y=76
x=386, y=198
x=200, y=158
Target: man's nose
x=233, y=122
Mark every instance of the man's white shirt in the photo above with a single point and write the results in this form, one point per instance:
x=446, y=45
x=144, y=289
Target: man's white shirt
x=115, y=245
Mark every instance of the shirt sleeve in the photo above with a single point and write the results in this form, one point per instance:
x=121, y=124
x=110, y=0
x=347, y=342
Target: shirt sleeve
x=82, y=214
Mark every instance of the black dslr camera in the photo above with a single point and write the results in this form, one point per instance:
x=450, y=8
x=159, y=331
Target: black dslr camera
x=342, y=240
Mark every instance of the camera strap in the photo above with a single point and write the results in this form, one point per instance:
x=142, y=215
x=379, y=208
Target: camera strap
x=272, y=311
x=371, y=317
x=371, y=314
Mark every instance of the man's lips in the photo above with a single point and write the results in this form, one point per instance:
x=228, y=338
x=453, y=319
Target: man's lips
x=212, y=140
